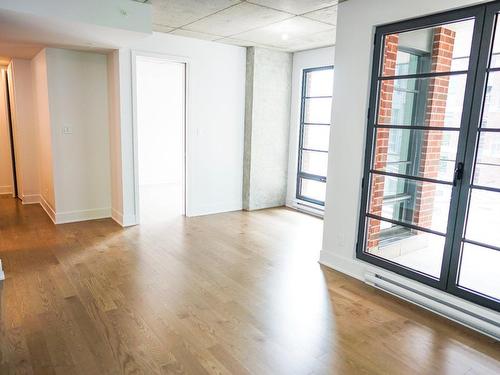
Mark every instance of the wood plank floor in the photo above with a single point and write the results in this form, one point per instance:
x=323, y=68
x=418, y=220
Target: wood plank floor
x=234, y=293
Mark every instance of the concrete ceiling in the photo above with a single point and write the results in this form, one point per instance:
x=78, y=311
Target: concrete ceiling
x=288, y=25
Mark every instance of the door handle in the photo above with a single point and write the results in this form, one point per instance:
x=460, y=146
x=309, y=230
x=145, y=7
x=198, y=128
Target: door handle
x=459, y=173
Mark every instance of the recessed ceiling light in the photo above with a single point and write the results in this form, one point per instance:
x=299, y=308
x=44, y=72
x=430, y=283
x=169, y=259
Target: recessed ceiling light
x=284, y=36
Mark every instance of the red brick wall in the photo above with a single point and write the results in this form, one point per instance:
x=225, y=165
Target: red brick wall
x=382, y=141
x=441, y=59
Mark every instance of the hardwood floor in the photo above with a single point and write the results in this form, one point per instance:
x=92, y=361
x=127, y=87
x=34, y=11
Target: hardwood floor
x=234, y=293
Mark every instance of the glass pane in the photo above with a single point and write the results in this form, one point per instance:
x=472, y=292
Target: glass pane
x=314, y=163
x=487, y=171
x=316, y=137
x=415, y=202
x=483, y=220
x=436, y=101
x=491, y=113
x=436, y=49
x=479, y=270
x=318, y=110
x=414, y=249
x=313, y=189
x=495, y=54
x=420, y=153
x=319, y=82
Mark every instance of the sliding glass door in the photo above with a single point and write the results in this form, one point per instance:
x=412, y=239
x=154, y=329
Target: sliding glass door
x=431, y=187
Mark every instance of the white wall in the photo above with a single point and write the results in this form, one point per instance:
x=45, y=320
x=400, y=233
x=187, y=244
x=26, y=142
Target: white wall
x=160, y=121
x=25, y=130
x=78, y=100
x=44, y=141
x=5, y=156
x=354, y=48
x=301, y=60
x=215, y=122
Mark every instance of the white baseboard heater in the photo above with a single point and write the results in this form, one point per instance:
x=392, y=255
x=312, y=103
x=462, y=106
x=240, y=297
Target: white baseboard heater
x=483, y=325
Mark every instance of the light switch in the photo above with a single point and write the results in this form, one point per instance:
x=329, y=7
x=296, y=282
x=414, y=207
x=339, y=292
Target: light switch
x=67, y=130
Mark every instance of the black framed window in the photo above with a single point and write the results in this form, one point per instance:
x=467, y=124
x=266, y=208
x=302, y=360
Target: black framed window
x=430, y=205
x=315, y=115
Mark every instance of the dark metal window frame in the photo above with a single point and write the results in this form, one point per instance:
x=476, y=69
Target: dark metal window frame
x=477, y=73
x=414, y=141
x=303, y=175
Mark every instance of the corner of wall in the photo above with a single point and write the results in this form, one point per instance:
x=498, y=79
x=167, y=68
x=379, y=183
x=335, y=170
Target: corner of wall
x=247, y=144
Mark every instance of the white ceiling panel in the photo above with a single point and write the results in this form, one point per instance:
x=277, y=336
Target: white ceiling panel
x=239, y=42
x=282, y=34
x=162, y=28
x=327, y=15
x=194, y=34
x=295, y=6
x=321, y=39
x=176, y=13
x=263, y=23
x=237, y=19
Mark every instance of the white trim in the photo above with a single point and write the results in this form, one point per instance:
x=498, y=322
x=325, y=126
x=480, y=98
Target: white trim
x=124, y=221
x=358, y=269
x=6, y=189
x=117, y=216
x=172, y=58
x=48, y=209
x=82, y=215
x=31, y=199
x=2, y=274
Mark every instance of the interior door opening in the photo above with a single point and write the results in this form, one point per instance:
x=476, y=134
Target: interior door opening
x=8, y=171
x=161, y=118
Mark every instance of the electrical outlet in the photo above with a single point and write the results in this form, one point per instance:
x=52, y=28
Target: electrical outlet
x=67, y=130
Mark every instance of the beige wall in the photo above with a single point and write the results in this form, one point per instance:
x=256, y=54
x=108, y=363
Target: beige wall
x=42, y=113
x=25, y=130
x=78, y=99
x=115, y=136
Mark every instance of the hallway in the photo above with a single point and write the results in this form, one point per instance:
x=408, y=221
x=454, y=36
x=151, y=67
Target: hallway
x=232, y=293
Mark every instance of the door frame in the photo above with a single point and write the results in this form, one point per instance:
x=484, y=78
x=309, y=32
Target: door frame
x=135, y=135
x=10, y=106
x=458, y=205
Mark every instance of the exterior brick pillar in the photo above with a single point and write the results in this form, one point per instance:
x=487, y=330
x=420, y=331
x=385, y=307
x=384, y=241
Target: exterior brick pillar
x=441, y=59
x=382, y=141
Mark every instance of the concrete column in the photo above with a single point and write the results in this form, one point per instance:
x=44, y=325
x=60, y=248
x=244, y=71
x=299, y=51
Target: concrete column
x=267, y=124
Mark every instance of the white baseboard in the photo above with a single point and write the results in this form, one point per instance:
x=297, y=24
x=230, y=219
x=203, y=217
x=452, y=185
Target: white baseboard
x=82, y=215
x=70, y=216
x=48, y=209
x=31, y=199
x=6, y=189
x=123, y=220
x=2, y=274
x=358, y=269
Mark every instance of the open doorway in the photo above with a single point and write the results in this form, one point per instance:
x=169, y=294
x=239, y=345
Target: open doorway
x=160, y=100
x=8, y=173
